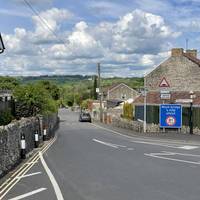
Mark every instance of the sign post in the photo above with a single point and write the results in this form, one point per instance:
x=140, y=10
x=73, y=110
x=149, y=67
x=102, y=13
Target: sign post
x=164, y=92
x=170, y=116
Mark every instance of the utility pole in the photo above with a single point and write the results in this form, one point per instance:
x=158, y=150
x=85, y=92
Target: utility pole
x=100, y=91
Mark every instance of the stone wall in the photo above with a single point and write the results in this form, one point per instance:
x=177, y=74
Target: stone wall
x=10, y=136
x=51, y=124
x=127, y=124
x=137, y=126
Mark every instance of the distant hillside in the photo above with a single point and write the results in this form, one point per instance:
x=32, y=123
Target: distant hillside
x=59, y=79
x=133, y=82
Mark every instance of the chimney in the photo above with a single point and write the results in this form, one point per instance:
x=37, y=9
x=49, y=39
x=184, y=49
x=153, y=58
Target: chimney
x=191, y=52
x=177, y=52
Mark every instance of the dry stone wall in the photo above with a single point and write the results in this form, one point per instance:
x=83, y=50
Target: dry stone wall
x=10, y=137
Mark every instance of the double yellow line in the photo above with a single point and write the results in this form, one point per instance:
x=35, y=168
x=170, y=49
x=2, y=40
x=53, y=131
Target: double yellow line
x=15, y=178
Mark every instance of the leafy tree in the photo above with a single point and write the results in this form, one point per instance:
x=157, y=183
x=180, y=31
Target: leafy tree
x=35, y=99
x=5, y=117
x=8, y=83
x=52, y=88
x=85, y=104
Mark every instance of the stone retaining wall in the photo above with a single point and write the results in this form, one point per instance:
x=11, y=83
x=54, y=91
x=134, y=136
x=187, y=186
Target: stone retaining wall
x=137, y=126
x=10, y=137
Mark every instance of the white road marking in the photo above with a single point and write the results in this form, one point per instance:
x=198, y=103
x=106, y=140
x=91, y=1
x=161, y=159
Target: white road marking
x=130, y=149
x=188, y=147
x=118, y=145
x=28, y=175
x=23, y=170
x=162, y=155
x=28, y=194
x=155, y=144
x=105, y=143
x=183, y=154
x=52, y=178
x=168, y=146
x=143, y=138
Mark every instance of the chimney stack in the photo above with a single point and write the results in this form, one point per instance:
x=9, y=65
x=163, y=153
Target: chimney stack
x=177, y=52
x=191, y=52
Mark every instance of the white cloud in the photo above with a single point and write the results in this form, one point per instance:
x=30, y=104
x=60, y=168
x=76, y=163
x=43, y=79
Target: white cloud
x=136, y=32
x=126, y=47
x=47, y=24
x=191, y=25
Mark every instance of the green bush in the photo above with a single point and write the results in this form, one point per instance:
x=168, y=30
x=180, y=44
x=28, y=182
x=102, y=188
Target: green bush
x=84, y=104
x=128, y=111
x=5, y=117
x=35, y=99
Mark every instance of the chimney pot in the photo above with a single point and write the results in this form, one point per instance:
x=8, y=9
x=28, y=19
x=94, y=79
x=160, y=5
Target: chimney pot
x=192, y=52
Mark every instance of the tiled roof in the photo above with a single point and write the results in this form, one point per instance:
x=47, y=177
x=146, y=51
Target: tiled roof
x=154, y=98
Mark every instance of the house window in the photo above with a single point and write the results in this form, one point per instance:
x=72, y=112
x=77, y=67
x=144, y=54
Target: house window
x=123, y=96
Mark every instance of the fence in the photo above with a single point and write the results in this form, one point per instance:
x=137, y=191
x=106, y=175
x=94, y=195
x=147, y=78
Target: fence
x=6, y=105
x=153, y=114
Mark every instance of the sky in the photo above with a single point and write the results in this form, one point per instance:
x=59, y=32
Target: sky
x=65, y=37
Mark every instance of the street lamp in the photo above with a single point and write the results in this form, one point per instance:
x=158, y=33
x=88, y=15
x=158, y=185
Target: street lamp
x=2, y=47
x=192, y=96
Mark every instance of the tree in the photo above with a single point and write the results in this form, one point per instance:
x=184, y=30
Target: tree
x=8, y=83
x=94, y=89
x=34, y=99
x=52, y=88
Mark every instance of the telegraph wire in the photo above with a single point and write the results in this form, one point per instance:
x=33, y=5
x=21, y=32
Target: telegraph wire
x=43, y=21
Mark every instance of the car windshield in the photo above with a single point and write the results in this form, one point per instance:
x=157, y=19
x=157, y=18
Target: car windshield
x=85, y=114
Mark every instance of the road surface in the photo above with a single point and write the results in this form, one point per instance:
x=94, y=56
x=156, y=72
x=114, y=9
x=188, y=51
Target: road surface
x=87, y=162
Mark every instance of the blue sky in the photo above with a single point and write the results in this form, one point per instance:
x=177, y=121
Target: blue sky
x=129, y=38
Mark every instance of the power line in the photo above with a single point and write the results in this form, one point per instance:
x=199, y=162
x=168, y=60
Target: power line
x=44, y=22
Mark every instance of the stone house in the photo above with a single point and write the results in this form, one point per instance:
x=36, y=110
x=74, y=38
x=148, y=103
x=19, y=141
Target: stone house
x=181, y=71
x=178, y=75
x=121, y=92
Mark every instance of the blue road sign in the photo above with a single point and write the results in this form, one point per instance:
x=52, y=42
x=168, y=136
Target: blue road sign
x=170, y=116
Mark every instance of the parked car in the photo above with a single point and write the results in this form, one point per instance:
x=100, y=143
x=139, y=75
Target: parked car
x=85, y=117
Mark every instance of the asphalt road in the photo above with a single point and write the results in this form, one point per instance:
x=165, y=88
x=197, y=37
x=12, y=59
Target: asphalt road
x=87, y=162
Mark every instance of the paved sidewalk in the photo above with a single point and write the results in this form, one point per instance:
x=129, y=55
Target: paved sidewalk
x=168, y=136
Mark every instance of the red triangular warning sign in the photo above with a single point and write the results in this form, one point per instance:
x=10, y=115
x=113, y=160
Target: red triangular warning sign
x=164, y=83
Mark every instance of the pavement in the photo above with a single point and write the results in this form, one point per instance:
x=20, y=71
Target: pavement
x=172, y=135
x=89, y=161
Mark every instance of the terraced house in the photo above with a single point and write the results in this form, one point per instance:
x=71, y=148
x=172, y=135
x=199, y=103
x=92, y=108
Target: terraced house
x=179, y=75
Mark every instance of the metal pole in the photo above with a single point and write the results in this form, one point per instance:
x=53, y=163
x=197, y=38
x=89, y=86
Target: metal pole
x=100, y=91
x=145, y=107
x=2, y=47
x=190, y=119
